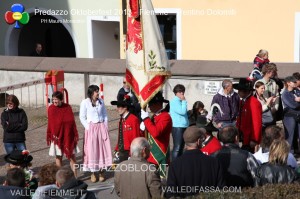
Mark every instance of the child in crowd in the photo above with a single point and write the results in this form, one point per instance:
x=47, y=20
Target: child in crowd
x=22, y=159
x=261, y=59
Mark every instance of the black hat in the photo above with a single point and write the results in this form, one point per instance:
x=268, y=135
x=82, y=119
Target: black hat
x=158, y=98
x=18, y=157
x=124, y=102
x=244, y=84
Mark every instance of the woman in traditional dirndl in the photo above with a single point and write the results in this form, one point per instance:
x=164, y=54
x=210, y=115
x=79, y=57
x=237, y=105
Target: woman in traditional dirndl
x=97, y=150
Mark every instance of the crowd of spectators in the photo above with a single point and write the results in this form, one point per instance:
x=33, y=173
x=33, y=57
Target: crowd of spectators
x=249, y=148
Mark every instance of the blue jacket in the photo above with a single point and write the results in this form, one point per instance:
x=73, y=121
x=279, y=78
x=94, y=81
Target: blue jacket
x=290, y=106
x=178, y=112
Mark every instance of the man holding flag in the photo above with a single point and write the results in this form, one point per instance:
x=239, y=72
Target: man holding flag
x=147, y=70
x=159, y=128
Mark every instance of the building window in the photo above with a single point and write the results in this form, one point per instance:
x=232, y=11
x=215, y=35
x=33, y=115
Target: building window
x=167, y=25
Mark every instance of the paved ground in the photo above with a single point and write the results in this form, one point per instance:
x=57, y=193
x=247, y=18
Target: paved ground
x=36, y=144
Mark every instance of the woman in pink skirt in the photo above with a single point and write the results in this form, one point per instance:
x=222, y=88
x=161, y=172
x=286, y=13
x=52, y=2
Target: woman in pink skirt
x=97, y=150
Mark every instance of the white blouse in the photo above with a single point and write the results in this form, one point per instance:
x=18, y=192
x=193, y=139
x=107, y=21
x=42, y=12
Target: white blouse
x=89, y=113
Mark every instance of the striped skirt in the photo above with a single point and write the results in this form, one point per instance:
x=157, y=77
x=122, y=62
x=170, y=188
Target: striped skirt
x=97, y=149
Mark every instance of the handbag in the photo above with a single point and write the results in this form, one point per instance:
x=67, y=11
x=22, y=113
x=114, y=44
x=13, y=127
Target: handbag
x=267, y=117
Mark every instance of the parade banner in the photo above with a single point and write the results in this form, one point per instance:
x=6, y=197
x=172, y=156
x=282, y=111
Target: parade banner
x=147, y=66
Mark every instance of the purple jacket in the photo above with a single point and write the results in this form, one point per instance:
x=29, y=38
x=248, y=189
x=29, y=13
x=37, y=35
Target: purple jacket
x=229, y=105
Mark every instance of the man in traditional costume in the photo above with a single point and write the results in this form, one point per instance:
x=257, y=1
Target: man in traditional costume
x=159, y=128
x=129, y=128
x=147, y=69
x=249, y=121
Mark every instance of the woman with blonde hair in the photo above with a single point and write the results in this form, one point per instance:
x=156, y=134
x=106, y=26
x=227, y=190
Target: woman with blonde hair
x=276, y=170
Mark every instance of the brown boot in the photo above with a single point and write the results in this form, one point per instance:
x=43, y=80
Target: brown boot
x=93, y=177
x=101, y=176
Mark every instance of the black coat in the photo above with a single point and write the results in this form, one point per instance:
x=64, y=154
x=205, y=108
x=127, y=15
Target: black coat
x=239, y=166
x=72, y=189
x=275, y=174
x=193, y=169
x=14, y=123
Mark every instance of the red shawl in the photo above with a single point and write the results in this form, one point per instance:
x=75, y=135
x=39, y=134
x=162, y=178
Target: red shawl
x=62, y=129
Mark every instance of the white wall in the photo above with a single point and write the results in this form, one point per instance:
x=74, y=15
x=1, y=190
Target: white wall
x=74, y=83
x=104, y=43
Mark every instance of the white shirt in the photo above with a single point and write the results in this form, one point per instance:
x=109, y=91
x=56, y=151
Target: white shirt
x=125, y=115
x=89, y=113
x=264, y=157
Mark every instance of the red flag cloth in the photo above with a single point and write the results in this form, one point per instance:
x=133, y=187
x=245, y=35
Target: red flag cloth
x=135, y=8
x=62, y=129
x=147, y=66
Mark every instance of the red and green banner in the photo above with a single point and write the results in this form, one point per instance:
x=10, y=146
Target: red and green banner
x=147, y=66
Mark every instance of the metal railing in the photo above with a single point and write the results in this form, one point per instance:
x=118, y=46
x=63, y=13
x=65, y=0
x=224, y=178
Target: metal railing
x=30, y=94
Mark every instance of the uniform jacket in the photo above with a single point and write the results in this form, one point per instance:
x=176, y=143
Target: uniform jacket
x=130, y=130
x=211, y=145
x=143, y=182
x=14, y=123
x=249, y=121
x=160, y=129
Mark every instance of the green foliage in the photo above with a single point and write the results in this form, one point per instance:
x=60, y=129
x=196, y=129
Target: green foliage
x=152, y=62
